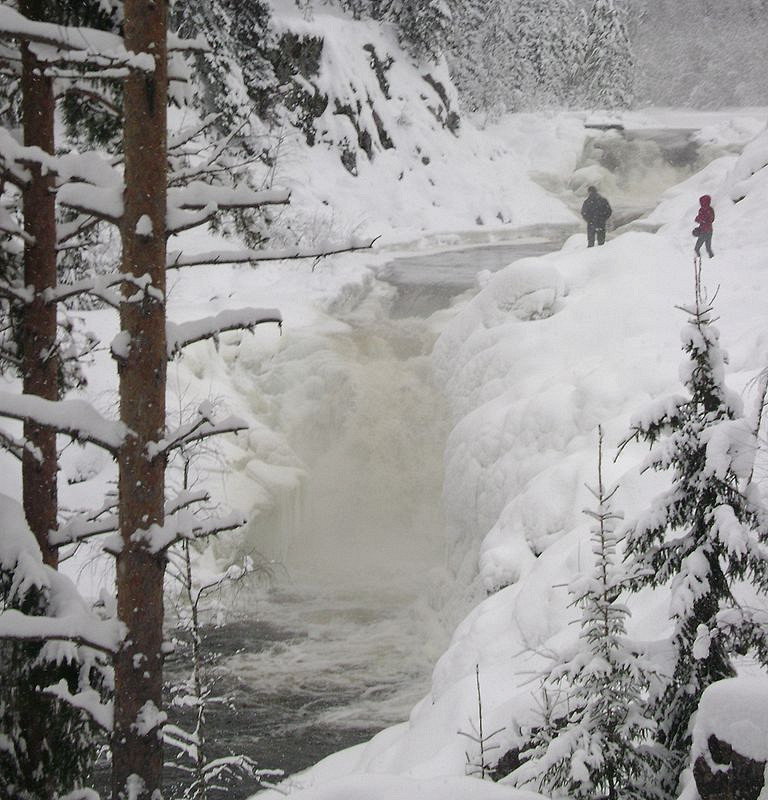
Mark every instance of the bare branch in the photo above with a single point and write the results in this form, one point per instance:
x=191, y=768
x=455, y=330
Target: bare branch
x=177, y=260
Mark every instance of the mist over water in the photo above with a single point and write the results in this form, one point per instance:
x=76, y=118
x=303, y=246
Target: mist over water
x=343, y=641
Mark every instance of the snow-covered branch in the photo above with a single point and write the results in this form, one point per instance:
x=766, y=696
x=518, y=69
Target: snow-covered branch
x=20, y=295
x=80, y=42
x=76, y=418
x=186, y=525
x=100, y=286
x=104, y=203
x=202, y=427
x=177, y=259
x=87, y=700
x=182, y=334
x=198, y=196
x=16, y=447
x=102, y=635
x=84, y=526
x=198, y=202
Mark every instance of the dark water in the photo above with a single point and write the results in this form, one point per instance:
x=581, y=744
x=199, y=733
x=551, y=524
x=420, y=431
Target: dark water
x=276, y=730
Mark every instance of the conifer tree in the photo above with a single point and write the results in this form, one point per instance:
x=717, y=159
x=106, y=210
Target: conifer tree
x=703, y=535
x=480, y=55
x=593, y=739
x=50, y=745
x=608, y=69
x=423, y=25
x=237, y=79
x=542, y=53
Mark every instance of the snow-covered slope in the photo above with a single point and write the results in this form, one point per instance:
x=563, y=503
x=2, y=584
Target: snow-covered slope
x=410, y=164
x=548, y=350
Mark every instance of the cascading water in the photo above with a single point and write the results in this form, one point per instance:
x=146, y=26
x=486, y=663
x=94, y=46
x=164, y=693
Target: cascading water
x=343, y=639
x=349, y=457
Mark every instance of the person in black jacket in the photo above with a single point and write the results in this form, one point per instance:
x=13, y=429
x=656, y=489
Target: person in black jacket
x=596, y=211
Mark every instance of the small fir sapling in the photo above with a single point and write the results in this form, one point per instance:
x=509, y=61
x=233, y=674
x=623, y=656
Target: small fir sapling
x=593, y=739
x=207, y=776
x=704, y=537
x=479, y=764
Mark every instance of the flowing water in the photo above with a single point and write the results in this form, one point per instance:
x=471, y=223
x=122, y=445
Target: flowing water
x=342, y=642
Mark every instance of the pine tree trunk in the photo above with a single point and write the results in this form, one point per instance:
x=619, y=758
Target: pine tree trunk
x=137, y=749
x=40, y=363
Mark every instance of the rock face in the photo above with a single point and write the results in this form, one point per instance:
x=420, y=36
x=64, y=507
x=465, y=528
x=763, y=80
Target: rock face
x=727, y=775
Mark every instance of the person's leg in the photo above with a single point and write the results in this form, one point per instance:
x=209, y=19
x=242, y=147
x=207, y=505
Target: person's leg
x=699, y=242
x=708, y=243
x=590, y=235
x=601, y=235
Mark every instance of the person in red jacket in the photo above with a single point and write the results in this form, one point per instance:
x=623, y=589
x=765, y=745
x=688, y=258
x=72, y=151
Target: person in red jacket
x=704, y=220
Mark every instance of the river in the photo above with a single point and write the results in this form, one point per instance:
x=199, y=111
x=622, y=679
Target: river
x=341, y=642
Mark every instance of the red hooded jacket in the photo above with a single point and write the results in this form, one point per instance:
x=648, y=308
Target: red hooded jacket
x=706, y=215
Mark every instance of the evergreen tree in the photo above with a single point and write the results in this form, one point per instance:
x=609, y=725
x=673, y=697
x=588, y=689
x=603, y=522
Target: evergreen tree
x=237, y=78
x=593, y=739
x=703, y=535
x=608, y=69
x=423, y=25
x=543, y=54
x=480, y=55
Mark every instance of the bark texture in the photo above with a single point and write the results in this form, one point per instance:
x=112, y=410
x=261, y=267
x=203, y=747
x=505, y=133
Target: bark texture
x=40, y=364
x=137, y=745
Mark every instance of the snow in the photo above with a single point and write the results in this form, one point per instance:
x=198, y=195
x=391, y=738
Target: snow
x=390, y=787
x=735, y=711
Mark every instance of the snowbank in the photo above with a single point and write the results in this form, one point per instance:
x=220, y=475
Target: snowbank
x=736, y=712
x=388, y=787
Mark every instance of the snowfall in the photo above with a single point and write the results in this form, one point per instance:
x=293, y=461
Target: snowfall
x=525, y=366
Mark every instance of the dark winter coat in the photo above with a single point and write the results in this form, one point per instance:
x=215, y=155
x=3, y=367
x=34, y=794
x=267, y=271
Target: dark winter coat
x=706, y=215
x=596, y=210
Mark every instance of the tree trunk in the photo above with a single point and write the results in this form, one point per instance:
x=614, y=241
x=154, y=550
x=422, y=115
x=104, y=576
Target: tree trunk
x=40, y=364
x=137, y=745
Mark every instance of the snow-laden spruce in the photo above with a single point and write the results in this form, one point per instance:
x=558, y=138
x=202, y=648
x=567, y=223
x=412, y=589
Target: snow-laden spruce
x=594, y=736
x=704, y=537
